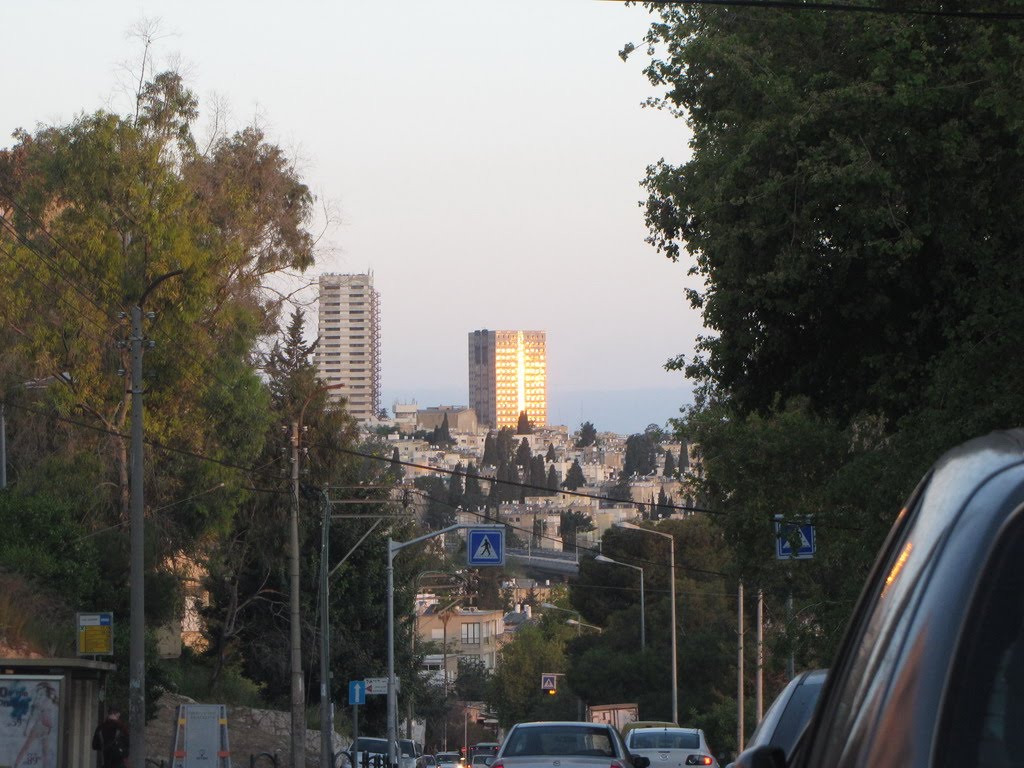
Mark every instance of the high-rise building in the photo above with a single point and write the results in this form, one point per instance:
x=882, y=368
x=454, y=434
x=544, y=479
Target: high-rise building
x=349, y=349
x=508, y=375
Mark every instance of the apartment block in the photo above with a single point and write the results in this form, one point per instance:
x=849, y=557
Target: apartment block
x=349, y=351
x=508, y=375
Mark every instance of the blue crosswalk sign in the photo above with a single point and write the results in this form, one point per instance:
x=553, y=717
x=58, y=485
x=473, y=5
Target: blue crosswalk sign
x=357, y=692
x=794, y=541
x=485, y=546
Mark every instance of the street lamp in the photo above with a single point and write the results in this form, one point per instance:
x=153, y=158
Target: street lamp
x=672, y=598
x=577, y=623
x=609, y=561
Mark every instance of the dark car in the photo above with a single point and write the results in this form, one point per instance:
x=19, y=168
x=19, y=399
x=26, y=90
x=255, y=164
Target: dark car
x=787, y=716
x=931, y=671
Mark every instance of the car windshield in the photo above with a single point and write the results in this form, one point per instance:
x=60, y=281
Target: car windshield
x=365, y=744
x=665, y=740
x=560, y=740
x=407, y=747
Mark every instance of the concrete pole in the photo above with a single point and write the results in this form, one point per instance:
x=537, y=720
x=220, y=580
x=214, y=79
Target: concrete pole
x=3, y=446
x=760, y=655
x=672, y=597
x=739, y=673
x=137, y=599
x=298, y=735
x=326, y=710
x=392, y=698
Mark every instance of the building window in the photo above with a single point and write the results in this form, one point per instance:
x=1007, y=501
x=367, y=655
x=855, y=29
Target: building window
x=471, y=633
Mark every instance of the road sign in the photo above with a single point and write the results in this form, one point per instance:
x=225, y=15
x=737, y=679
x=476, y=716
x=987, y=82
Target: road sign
x=548, y=681
x=378, y=686
x=485, y=546
x=357, y=691
x=95, y=634
x=789, y=534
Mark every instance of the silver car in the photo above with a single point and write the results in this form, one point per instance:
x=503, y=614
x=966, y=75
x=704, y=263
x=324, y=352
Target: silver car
x=565, y=745
x=671, y=747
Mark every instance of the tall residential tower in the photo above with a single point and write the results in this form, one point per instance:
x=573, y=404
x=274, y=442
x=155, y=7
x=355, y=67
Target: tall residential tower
x=508, y=375
x=349, y=349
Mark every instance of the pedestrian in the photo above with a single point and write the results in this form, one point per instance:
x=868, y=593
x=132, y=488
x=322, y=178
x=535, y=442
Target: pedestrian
x=111, y=740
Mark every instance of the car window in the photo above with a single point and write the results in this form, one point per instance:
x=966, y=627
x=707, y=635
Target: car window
x=796, y=714
x=982, y=719
x=560, y=740
x=365, y=744
x=666, y=740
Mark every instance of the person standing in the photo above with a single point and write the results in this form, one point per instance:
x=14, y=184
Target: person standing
x=111, y=740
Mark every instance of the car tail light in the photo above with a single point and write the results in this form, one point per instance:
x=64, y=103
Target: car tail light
x=700, y=760
x=616, y=764
x=497, y=764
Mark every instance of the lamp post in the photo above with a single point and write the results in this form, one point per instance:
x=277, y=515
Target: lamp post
x=672, y=598
x=577, y=623
x=643, y=632
x=394, y=547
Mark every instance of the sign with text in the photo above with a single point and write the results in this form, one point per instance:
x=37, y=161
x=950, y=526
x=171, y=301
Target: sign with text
x=95, y=634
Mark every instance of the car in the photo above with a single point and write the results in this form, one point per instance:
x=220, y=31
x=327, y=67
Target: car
x=646, y=724
x=931, y=668
x=788, y=715
x=408, y=753
x=449, y=760
x=565, y=744
x=427, y=761
x=374, y=749
x=671, y=747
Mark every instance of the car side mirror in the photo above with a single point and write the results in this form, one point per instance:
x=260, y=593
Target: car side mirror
x=762, y=757
x=639, y=761
x=488, y=760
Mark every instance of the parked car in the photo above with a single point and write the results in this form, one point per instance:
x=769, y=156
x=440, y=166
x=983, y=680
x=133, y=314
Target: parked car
x=931, y=670
x=671, y=747
x=571, y=744
x=788, y=715
x=376, y=751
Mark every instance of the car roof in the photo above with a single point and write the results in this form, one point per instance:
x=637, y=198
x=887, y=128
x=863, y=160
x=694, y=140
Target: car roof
x=676, y=728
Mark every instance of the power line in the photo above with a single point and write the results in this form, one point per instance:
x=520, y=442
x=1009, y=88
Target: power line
x=796, y=5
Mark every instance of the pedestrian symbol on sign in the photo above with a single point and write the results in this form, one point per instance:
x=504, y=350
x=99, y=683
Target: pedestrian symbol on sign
x=485, y=546
x=549, y=682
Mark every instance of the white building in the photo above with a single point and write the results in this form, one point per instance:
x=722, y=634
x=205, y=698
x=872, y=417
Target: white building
x=349, y=349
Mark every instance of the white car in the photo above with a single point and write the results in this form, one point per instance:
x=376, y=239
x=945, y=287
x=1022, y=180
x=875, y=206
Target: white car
x=671, y=747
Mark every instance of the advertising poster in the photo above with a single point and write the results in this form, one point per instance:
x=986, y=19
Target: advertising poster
x=29, y=720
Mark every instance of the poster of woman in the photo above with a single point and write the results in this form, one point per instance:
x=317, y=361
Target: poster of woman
x=29, y=721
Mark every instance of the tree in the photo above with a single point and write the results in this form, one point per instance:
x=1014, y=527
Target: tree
x=574, y=478
x=551, y=455
x=473, y=496
x=397, y=471
x=552, y=480
x=524, y=427
x=669, y=469
x=641, y=455
x=524, y=454
x=587, y=435
x=490, y=457
x=473, y=679
x=828, y=274
x=538, y=477
x=506, y=444
x=514, y=690
x=572, y=523
x=441, y=434
x=456, y=489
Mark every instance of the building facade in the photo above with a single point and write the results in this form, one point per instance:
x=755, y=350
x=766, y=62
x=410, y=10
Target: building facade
x=508, y=375
x=349, y=349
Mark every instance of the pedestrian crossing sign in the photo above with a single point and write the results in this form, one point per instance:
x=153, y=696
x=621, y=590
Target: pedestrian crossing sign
x=485, y=546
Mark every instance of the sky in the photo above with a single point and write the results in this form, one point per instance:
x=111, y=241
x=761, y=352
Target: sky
x=482, y=157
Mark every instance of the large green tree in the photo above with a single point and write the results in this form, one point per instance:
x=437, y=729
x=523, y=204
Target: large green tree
x=849, y=205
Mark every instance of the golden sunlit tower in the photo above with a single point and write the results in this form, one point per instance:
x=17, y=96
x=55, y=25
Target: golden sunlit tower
x=508, y=375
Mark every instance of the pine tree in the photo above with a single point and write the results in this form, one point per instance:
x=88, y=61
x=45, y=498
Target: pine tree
x=574, y=478
x=456, y=492
x=524, y=427
x=538, y=477
x=490, y=457
x=551, y=455
x=588, y=435
x=524, y=454
x=396, y=470
x=552, y=483
x=473, y=494
x=670, y=465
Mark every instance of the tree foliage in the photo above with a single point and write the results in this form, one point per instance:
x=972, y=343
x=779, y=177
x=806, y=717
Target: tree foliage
x=587, y=435
x=574, y=478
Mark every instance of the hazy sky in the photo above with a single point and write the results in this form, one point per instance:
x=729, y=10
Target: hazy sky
x=483, y=157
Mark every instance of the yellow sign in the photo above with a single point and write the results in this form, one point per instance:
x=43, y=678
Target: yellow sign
x=95, y=634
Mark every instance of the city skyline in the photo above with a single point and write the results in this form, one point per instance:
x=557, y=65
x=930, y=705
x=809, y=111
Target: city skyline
x=487, y=181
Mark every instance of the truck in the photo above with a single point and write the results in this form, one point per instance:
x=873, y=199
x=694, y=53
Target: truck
x=617, y=715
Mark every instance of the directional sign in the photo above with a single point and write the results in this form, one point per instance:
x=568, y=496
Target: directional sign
x=357, y=692
x=548, y=682
x=788, y=534
x=378, y=686
x=485, y=546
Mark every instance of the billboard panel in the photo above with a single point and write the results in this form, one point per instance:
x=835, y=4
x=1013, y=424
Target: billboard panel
x=30, y=707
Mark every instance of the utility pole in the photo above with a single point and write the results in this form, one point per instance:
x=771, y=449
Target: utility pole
x=760, y=655
x=137, y=562
x=3, y=446
x=739, y=673
x=326, y=705
x=298, y=743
